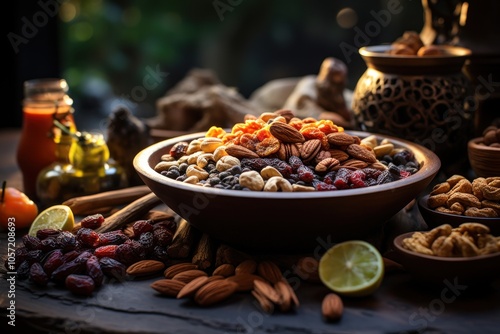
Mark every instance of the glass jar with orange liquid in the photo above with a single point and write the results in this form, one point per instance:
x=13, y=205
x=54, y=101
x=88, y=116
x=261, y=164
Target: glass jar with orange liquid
x=44, y=100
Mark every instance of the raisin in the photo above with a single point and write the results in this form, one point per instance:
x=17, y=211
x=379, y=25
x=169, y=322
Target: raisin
x=112, y=238
x=113, y=268
x=31, y=243
x=67, y=241
x=357, y=179
x=46, y=233
x=23, y=271
x=295, y=162
x=82, y=285
x=70, y=256
x=371, y=173
x=66, y=269
x=342, y=178
x=53, y=260
x=130, y=252
x=179, y=149
x=162, y=236
x=93, y=269
x=49, y=244
x=329, y=177
x=160, y=253
x=323, y=186
x=21, y=254
x=147, y=241
x=385, y=177
x=141, y=226
x=35, y=256
x=38, y=275
x=305, y=173
x=88, y=237
x=106, y=251
x=92, y=221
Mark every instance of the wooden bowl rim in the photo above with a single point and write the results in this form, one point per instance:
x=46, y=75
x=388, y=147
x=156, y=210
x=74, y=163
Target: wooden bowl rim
x=474, y=144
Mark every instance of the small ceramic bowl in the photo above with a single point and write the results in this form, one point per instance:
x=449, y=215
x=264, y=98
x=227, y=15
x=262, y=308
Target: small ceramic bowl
x=435, y=218
x=479, y=269
x=484, y=160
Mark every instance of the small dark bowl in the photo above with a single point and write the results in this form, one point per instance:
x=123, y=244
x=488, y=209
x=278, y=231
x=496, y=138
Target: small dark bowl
x=474, y=270
x=281, y=221
x=435, y=218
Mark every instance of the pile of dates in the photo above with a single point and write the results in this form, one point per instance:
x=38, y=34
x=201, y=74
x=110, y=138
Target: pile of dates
x=82, y=261
x=280, y=152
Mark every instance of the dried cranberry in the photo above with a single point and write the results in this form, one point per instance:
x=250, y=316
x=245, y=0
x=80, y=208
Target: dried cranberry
x=82, y=285
x=38, y=275
x=357, y=179
x=106, y=251
x=93, y=269
x=305, y=173
x=342, y=178
x=162, y=236
x=179, y=149
x=142, y=226
x=170, y=225
x=323, y=186
x=92, y=221
x=113, y=268
x=147, y=241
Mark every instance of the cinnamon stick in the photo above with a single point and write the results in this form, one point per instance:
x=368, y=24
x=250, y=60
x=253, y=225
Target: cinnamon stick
x=129, y=213
x=89, y=204
x=204, y=253
x=184, y=238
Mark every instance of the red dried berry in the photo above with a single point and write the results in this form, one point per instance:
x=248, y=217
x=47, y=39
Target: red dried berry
x=306, y=174
x=82, y=285
x=88, y=237
x=357, y=179
x=162, y=237
x=92, y=221
x=141, y=226
x=130, y=252
x=106, y=251
x=113, y=268
x=112, y=238
x=31, y=243
x=179, y=149
x=46, y=233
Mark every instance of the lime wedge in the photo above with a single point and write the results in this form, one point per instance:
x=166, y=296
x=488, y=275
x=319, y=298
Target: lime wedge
x=55, y=217
x=352, y=268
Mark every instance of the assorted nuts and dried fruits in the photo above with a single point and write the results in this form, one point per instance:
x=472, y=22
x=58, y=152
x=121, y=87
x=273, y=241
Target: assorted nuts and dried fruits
x=279, y=152
x=410, y=44
x=491, y=136
x=459, y=196
x=466, y=240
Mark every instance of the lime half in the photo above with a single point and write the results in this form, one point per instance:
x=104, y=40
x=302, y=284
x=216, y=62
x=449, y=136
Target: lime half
x=55, y=217
x=352, y=268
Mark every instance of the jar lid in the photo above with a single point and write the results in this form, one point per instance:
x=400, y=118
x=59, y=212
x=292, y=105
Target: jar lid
x=47, y=89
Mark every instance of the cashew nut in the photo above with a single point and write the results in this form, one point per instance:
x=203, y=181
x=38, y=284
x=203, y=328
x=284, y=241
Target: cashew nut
x=277, y=183
x=252, y=180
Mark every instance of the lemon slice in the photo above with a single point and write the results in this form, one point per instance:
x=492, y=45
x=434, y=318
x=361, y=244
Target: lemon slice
x=55, y=217
x=352, y=268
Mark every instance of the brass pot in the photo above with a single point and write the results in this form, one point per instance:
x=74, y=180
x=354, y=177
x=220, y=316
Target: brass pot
x=423, y=99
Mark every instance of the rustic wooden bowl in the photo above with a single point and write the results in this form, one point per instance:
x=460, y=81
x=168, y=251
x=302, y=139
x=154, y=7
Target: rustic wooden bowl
x=280, y=221
x=484, y=160
x=481, y=269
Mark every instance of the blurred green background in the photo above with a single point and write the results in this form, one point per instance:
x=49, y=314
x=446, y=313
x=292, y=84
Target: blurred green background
x=106, y=48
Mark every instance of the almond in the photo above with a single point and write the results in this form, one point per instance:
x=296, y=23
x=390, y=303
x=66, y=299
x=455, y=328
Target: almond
x=246, y=267
x=352, y=164
x=178, y=268
x=286, y=113
x=340, y=139
x=189, y=275
x=361, y=153
x=286, y=133
x=214, y=292
x=267, y=291
x=190, y=288
x=145, y=267
x=309, y=149
x=240, y=152
x=286, y=297
x=168, y=287
x=332, y=307
x=225, y=270
x=338, y=154
x=269, y=271
x=266, y=305
x=244, y=281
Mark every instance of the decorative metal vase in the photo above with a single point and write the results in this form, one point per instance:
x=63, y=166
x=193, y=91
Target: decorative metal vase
x=424, y=99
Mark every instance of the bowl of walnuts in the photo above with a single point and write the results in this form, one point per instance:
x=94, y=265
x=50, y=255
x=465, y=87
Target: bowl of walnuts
x=276, y=182
x=484, y=153
x=467, y=254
